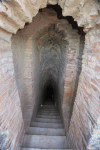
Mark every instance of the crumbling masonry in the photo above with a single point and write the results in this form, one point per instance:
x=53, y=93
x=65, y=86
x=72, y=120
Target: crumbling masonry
x=38, y=49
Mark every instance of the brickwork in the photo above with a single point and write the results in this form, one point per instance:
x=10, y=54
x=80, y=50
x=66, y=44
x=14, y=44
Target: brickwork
x=26, y=78
x=87, y=105
x=11, y=121
x=27, y=63
x=69, y=75
x=61, y=66
x=45, y=49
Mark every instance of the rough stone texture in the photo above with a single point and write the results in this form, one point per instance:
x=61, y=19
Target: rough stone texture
x=14, y=14
x=86, y=112
x=25, y=64
x=94, y=142
x=59, y=64
x=3, y=140
x=19, y=79
x=69, y=75
x=39, y=53
x=11, y=121
x=26, y=58
x=47, y=138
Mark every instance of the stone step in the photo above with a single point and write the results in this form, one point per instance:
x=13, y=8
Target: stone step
x=46, y=142
x=51, y=114
x=49, y=104
x=48, y=107
x=48, y=120
x=48, y=111
x=54, y=114
x=45, y=131
x=52, y=117
x=46, y=125
x=42, y=149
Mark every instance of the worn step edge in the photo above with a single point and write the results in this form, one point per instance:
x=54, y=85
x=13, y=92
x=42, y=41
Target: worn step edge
x=46, y=125
x=45, y=131
x=42, y=149
x=49, y=114
x=48, y=111
x=44, y=142
x=46, y=120
x=53, y=117
x=46, y=107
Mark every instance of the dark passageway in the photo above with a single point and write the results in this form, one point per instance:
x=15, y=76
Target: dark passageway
x=50, y=75
x=50, y=65
x=49, y=95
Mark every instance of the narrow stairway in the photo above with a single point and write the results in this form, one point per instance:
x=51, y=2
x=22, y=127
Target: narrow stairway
x=46, y=132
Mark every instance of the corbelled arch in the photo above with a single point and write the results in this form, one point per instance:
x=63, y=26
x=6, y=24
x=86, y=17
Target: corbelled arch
x=51, y=49
x=32, y=37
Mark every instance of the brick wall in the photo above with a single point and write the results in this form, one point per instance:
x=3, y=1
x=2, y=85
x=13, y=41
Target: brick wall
x=34, y=65
x=19, y=78
x=26, y=70
x=11, y=121
x=86, y=110
x=69, y=74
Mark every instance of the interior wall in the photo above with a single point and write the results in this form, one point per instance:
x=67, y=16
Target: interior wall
x=52, y=50
x=11, y=119
x=47, y=49
x=13, y=16
x=26, y=62
x=68, y=74
x=84, y=125
x=20, y=78
x=18, y=49
x=78, y=60
x=27, y=57
x=64, y=67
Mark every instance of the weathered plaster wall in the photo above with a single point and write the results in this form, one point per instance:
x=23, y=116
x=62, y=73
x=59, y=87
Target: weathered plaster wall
x=86, y=112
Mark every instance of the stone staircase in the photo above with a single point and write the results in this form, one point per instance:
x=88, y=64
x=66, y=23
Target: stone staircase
x=46, y=132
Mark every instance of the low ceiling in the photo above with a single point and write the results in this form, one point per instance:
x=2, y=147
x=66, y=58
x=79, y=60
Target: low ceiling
x=70, y=19
x=14, y=14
